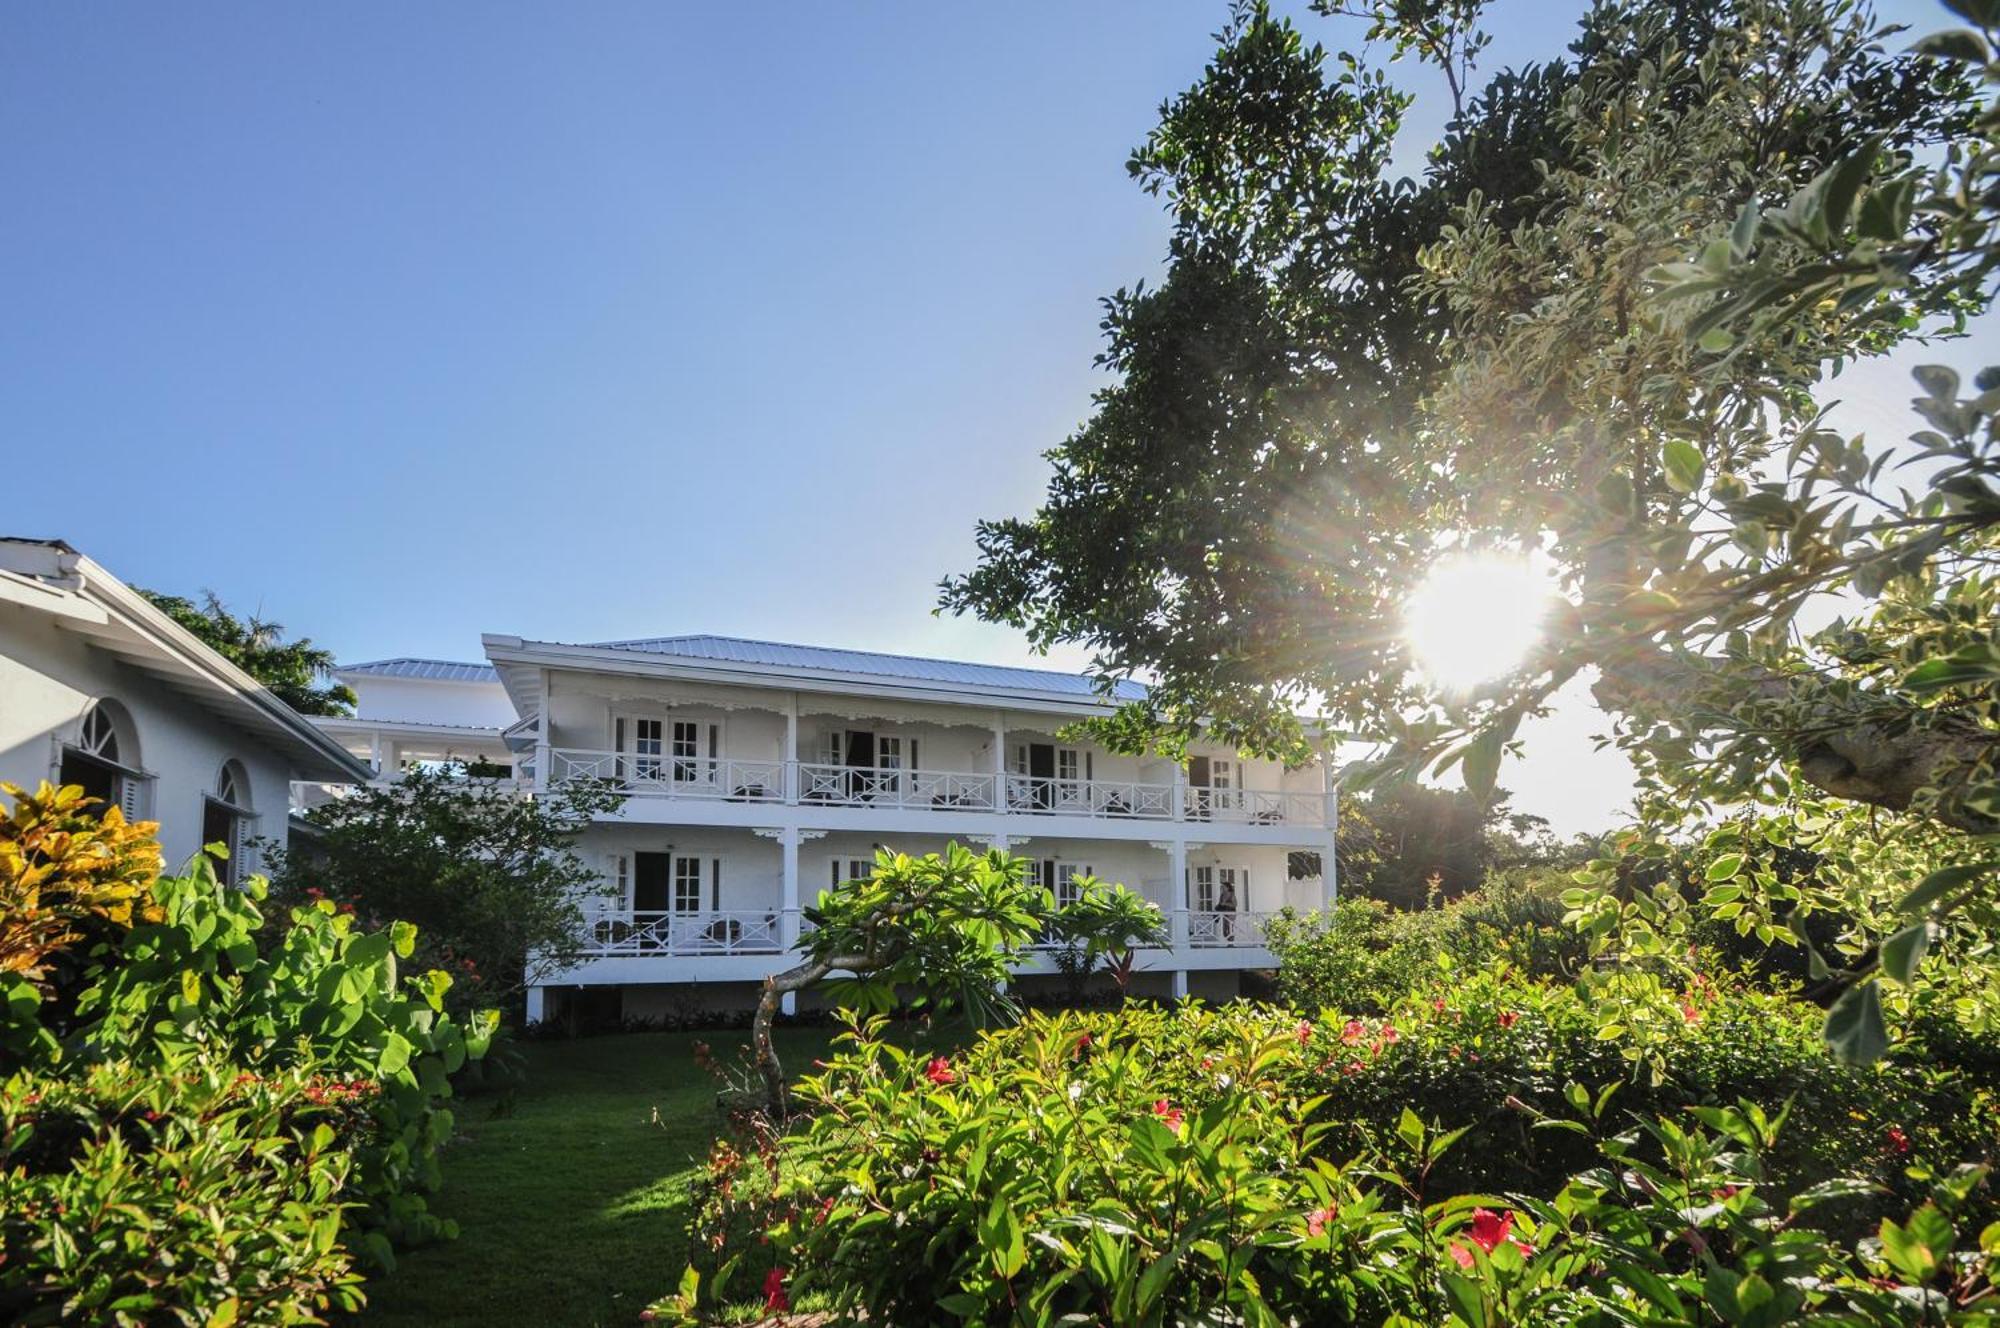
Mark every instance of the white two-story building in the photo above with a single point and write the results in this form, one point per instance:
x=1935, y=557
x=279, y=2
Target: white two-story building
x=757, y=774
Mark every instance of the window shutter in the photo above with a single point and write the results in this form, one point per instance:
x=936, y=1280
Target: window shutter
x=915, y=764
x=714, y=741
x=715, y=884
x=130, y=797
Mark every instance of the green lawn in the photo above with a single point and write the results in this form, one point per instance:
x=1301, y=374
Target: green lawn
x=573, y=1209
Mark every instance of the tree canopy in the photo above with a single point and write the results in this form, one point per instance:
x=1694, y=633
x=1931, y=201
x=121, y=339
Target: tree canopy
x=1605, y=324
x=296, y=671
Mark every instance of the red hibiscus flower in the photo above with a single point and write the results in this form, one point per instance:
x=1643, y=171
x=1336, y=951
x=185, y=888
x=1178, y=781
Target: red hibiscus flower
x=939, y=1071
x=1168, y=1115
x=1488, y=1230
x=1895, y=1141
x=1508, y=1018
x=1304, y=1032
x=1353, y=1032
x=1317, y=1219
x=775, y=1299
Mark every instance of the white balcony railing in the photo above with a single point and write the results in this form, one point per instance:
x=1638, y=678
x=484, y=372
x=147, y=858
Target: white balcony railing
x=1089, y=797
x=867, y=786
x=705, y=777
x=705, y=932
x=1221, y=931
x=1255, y=806
x=715, y=933
x=826, y=784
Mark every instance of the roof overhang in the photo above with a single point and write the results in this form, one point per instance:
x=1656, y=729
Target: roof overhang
x=94, y=604
x=521, y=664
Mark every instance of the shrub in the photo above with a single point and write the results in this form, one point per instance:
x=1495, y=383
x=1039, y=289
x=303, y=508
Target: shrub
x=325, y=993
x=189, y=1192
x=69, y=879
x=179, y=978
x=1364, y=957
x=1155, y=1167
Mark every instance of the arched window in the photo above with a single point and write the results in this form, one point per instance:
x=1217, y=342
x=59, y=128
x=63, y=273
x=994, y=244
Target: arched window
x=226, y=818
x=104, y=759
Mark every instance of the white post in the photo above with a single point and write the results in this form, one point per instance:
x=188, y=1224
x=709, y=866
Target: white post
x=1329, y=867
x=788, y=921
x=792, y=755
x=999, y=761
x=1178, y=884
x=535, y=1004
x=375, y=752
x=1180, y=791
x=542, y=739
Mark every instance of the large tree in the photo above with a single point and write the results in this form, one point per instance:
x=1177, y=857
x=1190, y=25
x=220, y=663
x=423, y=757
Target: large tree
x=296, y=671
x=1603, y=324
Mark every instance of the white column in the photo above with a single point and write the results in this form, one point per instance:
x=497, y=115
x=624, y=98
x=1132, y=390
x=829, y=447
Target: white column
x=535, y=1005
x=542, y=739
x=1329, y=866
x=1177, y=885
x=792, y=753
x=788, y=921
x=999, y=762
x=375, y=752
x=1180, y=791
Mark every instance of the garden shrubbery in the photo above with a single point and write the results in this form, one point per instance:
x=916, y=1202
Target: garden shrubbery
x=205, y=1117
x=1364, y=957
x=1154, y=1165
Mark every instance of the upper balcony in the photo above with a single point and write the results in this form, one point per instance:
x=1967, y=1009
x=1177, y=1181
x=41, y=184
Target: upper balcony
x=703, y=779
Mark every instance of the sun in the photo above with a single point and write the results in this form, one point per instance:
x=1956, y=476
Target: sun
x=1476, y=618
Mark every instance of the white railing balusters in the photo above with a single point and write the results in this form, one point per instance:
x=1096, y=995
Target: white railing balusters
x=814, y=783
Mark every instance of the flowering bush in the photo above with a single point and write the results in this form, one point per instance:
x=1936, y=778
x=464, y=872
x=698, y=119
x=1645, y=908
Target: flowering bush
x=325, y=1056
x=323, y=992
x=186, y=1192
x=1160, y=1166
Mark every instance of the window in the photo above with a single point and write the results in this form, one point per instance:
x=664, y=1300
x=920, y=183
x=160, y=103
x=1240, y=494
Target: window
x=1059, y=879
x=852, y=869
x=104, y=760
x=687, y=885
x=647, y=746
x=687, y=749
x=226, y=818
x=1219, y=889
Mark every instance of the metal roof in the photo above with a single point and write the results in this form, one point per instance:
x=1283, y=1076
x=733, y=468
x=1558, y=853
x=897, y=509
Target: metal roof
x=776, y=654
x=434, y=670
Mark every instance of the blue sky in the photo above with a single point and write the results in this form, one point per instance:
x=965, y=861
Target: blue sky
x=404, y=323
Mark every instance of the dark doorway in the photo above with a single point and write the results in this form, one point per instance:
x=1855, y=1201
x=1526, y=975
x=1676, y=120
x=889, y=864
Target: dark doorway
x=1042, y=771
x=1198, y=777
x=652, y=883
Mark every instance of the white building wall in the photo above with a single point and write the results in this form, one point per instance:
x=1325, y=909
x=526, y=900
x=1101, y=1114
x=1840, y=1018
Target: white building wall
x=49, y=679
x=431, y=701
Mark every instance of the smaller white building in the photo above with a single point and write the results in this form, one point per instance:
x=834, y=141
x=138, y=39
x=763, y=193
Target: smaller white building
x=101, y=689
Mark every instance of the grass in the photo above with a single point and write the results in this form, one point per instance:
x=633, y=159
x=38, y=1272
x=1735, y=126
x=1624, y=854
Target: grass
x=573, y=1209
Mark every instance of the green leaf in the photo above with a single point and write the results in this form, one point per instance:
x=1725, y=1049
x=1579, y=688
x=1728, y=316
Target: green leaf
x=1725, y=867
x=1972, y=665
x=1854, y=1029
x=1684, y=466
x=395, y=1057
x=1941, y=882
x=1957, y=44
x=1903, y=952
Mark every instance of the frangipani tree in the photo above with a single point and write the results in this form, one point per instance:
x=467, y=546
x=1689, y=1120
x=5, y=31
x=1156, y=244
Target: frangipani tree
x=942, y=930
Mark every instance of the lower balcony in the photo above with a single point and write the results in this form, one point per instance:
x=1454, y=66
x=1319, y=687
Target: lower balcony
x=723, y=933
